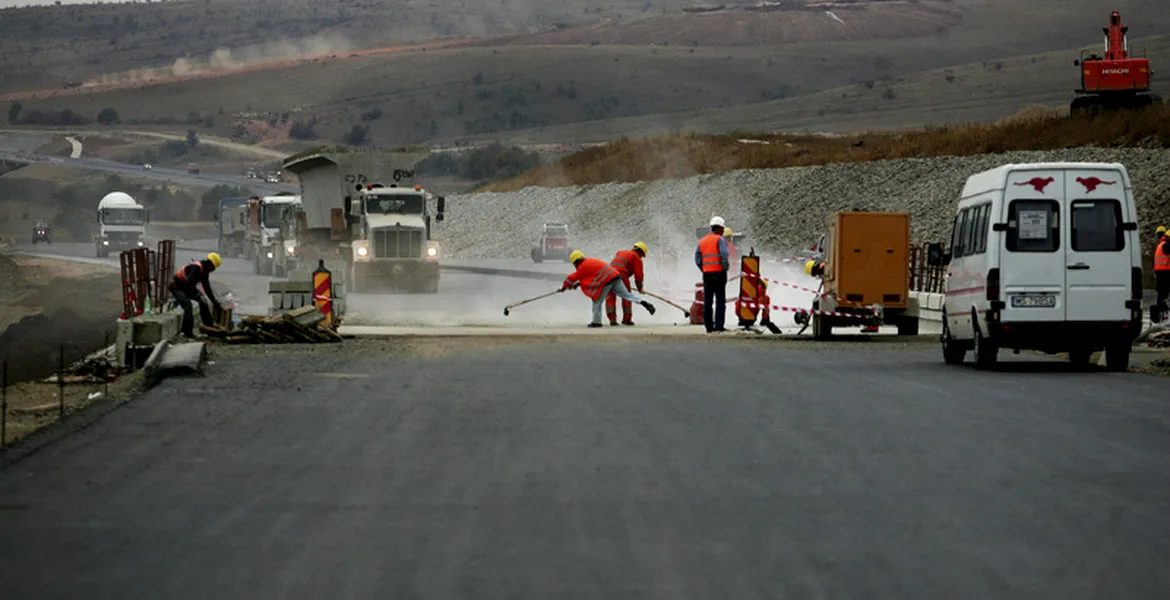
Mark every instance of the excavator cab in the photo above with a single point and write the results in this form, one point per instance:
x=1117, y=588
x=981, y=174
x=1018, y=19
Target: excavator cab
x=1114, y=80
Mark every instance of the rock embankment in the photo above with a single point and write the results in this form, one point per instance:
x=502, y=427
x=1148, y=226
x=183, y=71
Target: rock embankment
x=782, y=209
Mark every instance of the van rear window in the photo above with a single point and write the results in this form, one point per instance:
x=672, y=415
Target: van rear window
x=1096, y=226
x=1033, y=226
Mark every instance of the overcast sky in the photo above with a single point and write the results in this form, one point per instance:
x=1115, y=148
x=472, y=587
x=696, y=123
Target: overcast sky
x=10, y=3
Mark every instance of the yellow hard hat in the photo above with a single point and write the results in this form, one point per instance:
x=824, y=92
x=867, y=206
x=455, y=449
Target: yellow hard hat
x=215, y=259
x=726, y=232
x=642, y=246
x=1160, y=230
x=808, y=267
x=576, y=256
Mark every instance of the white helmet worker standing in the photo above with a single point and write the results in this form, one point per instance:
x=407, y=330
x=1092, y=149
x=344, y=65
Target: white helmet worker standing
x=712, y=257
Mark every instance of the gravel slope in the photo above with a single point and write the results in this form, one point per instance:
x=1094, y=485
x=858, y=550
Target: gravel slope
x=783, y=209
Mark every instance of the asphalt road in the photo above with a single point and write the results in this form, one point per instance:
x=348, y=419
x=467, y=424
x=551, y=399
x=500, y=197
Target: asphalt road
x=632, y=469
x=176, y=176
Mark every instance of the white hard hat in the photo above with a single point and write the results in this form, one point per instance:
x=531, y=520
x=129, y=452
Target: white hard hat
x=716, y=221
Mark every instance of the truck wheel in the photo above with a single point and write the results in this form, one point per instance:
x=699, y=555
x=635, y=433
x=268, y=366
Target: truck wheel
x=1117, y=357
x=255, y=264
x=536, y=257
x=907, y=325
x=1079, y=358
x=822, y=330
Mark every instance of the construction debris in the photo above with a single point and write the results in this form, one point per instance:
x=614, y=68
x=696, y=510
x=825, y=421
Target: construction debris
x=1159, y=339
x=303, y=325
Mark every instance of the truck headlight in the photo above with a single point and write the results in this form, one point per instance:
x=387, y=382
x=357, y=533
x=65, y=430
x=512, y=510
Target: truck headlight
x=269, y=254
x=141, y=243
x=361, y=250
x=291, y=249
x=105, y=242
x=432, y=249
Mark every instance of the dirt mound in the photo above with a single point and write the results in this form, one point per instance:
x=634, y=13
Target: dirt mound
x=861, y=21
x=32, y=345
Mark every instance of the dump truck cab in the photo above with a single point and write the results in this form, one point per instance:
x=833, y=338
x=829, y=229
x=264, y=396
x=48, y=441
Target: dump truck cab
x=232, y=224
x=121, y=224
x=393, y=244
x=554, y=243
x=272, y=230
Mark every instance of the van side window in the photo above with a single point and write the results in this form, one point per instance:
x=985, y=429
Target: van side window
x=955, y=236
x=970, y=226
x=982, y=224
x=1096, y=226
x=1033, y=226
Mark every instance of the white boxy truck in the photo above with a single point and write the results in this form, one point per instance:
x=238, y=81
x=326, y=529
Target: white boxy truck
x=121, y=224
x=1045, y=257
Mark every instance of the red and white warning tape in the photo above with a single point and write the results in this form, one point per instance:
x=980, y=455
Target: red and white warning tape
x=807, y=310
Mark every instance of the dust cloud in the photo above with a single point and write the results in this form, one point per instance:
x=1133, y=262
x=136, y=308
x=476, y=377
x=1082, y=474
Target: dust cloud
x=227, y=59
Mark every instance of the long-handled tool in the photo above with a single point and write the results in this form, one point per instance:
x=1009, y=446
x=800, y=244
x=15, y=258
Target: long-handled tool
x=686, y=313
x=508, y=308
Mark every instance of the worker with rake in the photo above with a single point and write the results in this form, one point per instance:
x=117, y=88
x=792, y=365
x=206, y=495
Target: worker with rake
x=597, y=280
x=628, y=263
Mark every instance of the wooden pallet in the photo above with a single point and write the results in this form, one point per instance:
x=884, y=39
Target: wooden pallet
x=301, y=326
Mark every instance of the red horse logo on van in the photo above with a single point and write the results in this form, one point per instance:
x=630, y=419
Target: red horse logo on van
x=1039, y=183
x=1091, y=183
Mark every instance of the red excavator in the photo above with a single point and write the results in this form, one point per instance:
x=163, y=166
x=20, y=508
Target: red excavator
x=1116, y=80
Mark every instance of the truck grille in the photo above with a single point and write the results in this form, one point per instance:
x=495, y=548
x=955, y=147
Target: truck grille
x=398, y=243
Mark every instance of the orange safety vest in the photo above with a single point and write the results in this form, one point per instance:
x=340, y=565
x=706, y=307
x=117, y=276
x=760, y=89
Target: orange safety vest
x=593, y=274
x=628, y=263
x=181, y=274
x=1162, y=255
x=709, y=253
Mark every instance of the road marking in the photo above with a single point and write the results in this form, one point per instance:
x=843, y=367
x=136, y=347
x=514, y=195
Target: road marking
x=76, y=151
x=341, y=375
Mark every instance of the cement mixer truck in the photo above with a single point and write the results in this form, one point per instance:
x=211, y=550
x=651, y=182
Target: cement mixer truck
x=364, y=207
x=121, y=224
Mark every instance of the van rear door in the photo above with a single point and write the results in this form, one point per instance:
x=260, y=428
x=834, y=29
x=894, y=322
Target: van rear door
x=1097, y=269
x=1032, y=261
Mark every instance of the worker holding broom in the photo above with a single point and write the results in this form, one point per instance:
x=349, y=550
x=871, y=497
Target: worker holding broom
x=597, y=280
x=628, y=263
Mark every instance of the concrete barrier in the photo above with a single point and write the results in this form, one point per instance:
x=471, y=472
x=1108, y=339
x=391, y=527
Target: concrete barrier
x=930, y=306
x=138, y=337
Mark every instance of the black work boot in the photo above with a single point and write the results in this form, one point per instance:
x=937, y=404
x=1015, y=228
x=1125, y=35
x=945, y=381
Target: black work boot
x=592, y=325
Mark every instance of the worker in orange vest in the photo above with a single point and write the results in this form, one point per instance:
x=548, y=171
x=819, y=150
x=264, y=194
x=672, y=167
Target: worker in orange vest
x=596, y=280
x=628, y=263
x=732, y=253
x=1162, y=272
x=713, y=259
x=183, y=289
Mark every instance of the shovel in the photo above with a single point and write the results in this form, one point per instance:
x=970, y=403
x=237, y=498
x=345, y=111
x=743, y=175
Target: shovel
x=508, y=308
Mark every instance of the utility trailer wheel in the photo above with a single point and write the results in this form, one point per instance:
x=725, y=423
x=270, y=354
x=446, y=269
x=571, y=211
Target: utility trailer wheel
x=907, y=325
x=1117, y=357
x=821, y=328
x=536, y=257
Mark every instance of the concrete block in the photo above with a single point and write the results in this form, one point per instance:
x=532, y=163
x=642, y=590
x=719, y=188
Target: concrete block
x=169, y=359
x=146, y=331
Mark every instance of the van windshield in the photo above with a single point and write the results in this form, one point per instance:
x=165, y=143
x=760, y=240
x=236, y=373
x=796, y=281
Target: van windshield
x=1096, y=226
x=1033, y=226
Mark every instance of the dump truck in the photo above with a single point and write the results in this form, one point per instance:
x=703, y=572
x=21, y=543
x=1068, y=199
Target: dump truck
x=231, y=221
x=865, y=274
x=554, y=243
x=364, y=207
x=42, y=232
x=272, y=243
x=121, y=223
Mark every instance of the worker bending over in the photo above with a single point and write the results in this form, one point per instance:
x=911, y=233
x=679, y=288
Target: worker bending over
x=1162, y=273
x=628, y=263
x=712, y=258
x=184, y=291
x=596, y=280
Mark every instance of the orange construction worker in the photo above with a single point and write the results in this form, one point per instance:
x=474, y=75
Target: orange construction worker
x=712, y=259
x=628, y=263
x=732, y=253
x=596, y=280
x=1162, y=271
x=184, y=291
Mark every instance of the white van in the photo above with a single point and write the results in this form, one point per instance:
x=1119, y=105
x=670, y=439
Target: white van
x=1044, y=256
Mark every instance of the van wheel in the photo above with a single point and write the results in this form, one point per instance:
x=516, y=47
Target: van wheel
x=986, y=352
x=1117, y=357
x=953, y=351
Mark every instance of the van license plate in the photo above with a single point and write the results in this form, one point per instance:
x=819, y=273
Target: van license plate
x=1045, y=301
